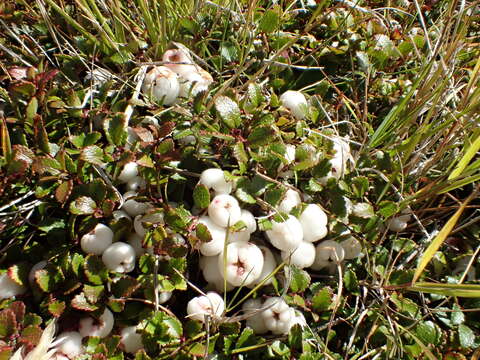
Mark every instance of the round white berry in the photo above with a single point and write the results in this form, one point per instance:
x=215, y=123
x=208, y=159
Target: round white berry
x=131, y=340
x=278, y=316
x=209, y=266
x=296, y=102
x=289, y=201
x=242, y=263
x=179, y=61
x=269, y=264
x=133, y=207
x=352, y=248
x=129, y=172
x=162, y=85
x=194, y=82
x=286, y=235
x=303, y=256
x=224, y=210
x=9, y=288
x=97, y=240
x=70, y=344
x=210, y=304
x=118, y=214
x=214, y=246
x=215, y=179
x=252, y=309
x=135, y=242
x=314, y=223
x=250, y=227
x=102, y=327
x=153, y=218
x=119, y=257
x=136, y=183
x=328, y=254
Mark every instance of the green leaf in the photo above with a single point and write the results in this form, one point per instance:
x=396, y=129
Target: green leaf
x=93, y=293
x=43, y=164
x=203, y=233
x=125, y=286
x=92, y=154
x=83, y=205
x=428, y=333
x=80, y=302
x=116, y=130
x=269, y=21
x=387, y=208
x=31, y=110
x=466, y=336
x=351, y=282
x=56, y=308
x=201, y=196
x=40, y=134
x=322, y=300
x=229, y=111
x=457, y=316
x=19, y=273
x=261, y=135
x=95, y=270
x=63, y=191
x=83, y=140
x=300, y=279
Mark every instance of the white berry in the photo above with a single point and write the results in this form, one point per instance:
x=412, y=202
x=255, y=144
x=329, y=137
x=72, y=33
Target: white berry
x=70, y=344
x=269, y=265
x=131, y=340
x=215, y=179
x=214, y=246
x=102, y=327
x=136, y=183
x=278, y=316
x=38, y=266
x=352, y=248
x=153, y=218
x=133, y=207
x=296, y=102
x=255, y=321
x=286, y=235
x=129, y=171
x=224, y=210
x=162, y=85
x=210, y=304
x=328, y=254
x=243, y=263
x=9, y=288
x=314, y=223
x=214, y=277
x=303, y=256
x=119, y=257
x=96, y=241
x=289, y=201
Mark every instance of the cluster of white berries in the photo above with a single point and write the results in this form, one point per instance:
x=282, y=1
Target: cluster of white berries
x=178, y=77
x=243, y=262
x=69, y=344
x=271, y=315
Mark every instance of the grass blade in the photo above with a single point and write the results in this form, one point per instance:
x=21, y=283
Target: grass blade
x=458, y=290
x=440, y=238
x=466, y=158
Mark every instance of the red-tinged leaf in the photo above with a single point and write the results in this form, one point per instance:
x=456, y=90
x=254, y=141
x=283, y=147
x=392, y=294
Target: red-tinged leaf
x=56, y=308
x=40, y=134
x=93, y=292
x=146, y=161
x=18, y=307
x=144, y=134
x=107, y=207
x=93, y=155
x=19, y=273
x=8, y=323
x=45, y=164
x=31, y=335
x=166, y=129
x=23, y=153
x=63, y=191
x=80, y=302
x=98, y=357
x=18, y=72
x=42, y=78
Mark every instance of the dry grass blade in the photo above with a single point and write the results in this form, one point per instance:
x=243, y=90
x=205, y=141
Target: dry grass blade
x=440, y=238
